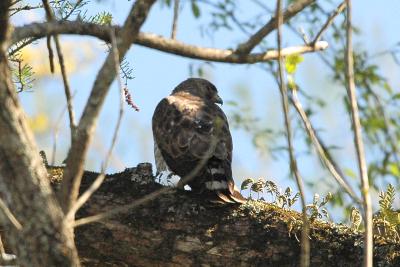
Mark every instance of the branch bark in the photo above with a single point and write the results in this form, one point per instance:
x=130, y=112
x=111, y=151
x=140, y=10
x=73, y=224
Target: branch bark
x=180, y=229
x=40, y=30
x=24, y=186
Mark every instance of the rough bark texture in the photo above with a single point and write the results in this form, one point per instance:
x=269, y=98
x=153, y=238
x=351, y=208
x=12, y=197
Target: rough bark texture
x=24, y=187
x=180, y=229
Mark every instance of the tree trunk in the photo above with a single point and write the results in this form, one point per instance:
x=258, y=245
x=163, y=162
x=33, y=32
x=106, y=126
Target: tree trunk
x=181, y=229
x=43, y=239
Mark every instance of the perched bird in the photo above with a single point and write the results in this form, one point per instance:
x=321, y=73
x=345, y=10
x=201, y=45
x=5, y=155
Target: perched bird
x=192, y=139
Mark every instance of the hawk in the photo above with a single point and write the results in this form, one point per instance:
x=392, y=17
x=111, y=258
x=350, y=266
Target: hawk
x=192, y=139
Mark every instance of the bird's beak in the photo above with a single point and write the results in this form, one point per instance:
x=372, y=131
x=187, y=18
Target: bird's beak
x=218, y=100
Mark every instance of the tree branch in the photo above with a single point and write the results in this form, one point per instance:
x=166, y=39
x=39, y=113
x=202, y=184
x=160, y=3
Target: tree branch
x=328, y=161
x=362, y=165
x=44, y=240
x=292, y=10
x=84, y=132
x=329, y=22
x=182, y=229
x=40, y=30
x=100, y=178
x=175, y=20
x=67, y=89
x=305, y=242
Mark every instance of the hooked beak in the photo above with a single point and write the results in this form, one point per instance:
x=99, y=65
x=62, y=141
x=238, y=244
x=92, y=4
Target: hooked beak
x=218, y=100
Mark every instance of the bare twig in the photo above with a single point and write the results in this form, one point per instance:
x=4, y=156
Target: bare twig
x=19, y=45
x=100, y=178
x=72, y=9
x=84, y=132
x=175, y=19
x=292, y=10
x=351, y=91
x=55, y=132
x=305, y=242
x=26, y=7
x=160, y=43
x=9, y=215
x=329, y=22
x=67, y=90
x=51, y=54
x=328, y=161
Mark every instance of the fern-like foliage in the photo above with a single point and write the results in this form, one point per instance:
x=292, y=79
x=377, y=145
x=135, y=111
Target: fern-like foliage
x=386, y=199
x=22, y=73
x=387, y=220
x=317, y=209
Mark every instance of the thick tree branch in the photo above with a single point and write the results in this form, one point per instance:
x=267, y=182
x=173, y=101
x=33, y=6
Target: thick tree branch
x=292, y=10
x=180, y=229
x=43, y=240
x=84, y=132
x=40, y=30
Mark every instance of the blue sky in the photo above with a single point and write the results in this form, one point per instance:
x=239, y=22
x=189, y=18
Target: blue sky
x=157, y=73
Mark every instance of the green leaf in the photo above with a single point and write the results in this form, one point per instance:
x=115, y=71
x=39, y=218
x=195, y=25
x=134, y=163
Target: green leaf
x=292, y=61
x=350, y=173
x=246, y=183
x=394, y=169
x=195, y=9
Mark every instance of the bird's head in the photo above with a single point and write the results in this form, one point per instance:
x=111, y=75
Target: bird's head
x=200, y=88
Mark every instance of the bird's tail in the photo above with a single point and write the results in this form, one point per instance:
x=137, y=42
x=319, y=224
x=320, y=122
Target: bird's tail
x=230, y=197
x=224, y=192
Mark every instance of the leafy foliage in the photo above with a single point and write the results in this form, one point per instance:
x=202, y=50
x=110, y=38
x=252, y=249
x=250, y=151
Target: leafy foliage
x=355, y=219
x=284, y=199
x=22, y=73
x=317, y=209
x=387, y=220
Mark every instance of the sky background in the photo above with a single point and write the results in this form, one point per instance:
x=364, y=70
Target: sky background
x=157, y=73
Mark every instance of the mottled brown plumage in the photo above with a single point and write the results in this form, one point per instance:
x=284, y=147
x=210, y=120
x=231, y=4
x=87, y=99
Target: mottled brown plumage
x=190, y=130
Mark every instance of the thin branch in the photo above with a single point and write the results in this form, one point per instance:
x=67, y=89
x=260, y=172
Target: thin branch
x=329, y=22
x=56, y=130
x=305, y=242
x=20, y=44
x=362, y=165
x=84, y=132
x=73, y=9
x=51, y=54
x=67, y=90
x=330, y=164
x=254, y=40
x=100, y=178
x=160, y=43
x=175, y=19
x=9, y=215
